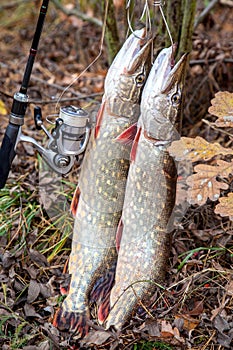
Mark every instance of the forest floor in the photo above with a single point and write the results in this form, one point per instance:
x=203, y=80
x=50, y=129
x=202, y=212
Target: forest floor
x=194, y=310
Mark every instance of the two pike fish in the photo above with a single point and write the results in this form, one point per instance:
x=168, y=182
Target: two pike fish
x=142, y=231
x=145, y=229
x=98, y=200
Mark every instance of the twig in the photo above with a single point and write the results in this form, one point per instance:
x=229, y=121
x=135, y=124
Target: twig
x=205, y=12
x=56, y=86
x=11, y=4
x=213, y=126
x=77, y=13
x=226, y=2
x=208, y=61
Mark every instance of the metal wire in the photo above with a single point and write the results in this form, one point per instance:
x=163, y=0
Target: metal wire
x=146, y=13
x=160, y=4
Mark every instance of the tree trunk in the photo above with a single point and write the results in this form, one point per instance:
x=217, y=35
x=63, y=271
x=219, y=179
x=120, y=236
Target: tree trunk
x=180, y=16
x=111, y=34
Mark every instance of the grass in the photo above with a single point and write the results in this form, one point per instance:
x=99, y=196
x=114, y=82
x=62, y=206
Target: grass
x=156, y=345
x=22, y=215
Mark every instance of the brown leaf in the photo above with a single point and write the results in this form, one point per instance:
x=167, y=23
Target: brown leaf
x=190, y=323
x=225, y=207
x=204, y=184
x=152, y=327
x=33, y=291
x=30, y=311
x=166, y=329
x=195, y=149
x=222, y=107
x=38, y=258
x=97, y=337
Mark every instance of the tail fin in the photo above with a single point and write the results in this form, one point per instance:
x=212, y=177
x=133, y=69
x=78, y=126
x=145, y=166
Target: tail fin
x=100, y=293
x=72, y=321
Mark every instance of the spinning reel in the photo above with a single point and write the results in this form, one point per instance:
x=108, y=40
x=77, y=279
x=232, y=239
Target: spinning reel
x=67, y=140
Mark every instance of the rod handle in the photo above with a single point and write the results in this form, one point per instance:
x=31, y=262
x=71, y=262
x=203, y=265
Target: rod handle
x=7, y=152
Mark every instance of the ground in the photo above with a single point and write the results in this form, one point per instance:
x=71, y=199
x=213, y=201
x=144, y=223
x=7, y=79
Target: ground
x=193, y=310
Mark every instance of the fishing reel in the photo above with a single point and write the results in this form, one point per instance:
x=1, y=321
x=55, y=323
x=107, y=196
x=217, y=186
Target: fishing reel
x=66, y=142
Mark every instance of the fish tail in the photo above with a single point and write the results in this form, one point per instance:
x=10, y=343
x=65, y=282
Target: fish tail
x=100, y=293
x=72, y=321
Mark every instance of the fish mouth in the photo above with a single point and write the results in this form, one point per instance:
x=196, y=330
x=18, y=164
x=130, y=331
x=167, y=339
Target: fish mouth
x=164, y=72
x=134, y=52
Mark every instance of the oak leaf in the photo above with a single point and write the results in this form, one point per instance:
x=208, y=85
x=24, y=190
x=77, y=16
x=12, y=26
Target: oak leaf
x=222, y=107
x=195, y=149
x=204, y=183
x=225, y=207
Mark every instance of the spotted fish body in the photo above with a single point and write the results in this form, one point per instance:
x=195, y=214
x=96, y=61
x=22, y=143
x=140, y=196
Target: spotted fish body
x=98, y=201
x=150, y=192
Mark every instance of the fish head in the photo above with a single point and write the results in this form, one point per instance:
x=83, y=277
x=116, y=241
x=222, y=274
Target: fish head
x=161, y=103
x=128, y=72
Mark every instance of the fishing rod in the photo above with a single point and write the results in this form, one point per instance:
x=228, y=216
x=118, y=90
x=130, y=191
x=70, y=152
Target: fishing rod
x=69, y=136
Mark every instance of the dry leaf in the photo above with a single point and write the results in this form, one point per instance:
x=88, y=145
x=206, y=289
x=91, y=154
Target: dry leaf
x=195, y=149
x=222, y=107
x=204, y=184
x=225, y=207
x=166, y=329
x=3, y=109
x=189, y=323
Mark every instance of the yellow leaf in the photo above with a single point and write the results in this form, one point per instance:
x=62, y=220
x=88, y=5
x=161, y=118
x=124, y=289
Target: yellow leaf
x=195, y=149
x=225, y=207
x=3, y=109
x=204, y=183
x=222, y=107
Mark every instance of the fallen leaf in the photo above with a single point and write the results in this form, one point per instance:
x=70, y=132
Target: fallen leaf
x=189, y=323
x=3, y=109
x=195, y=149
x=222, y=107
x=225, y=207
x=97, y=337
x=33, y=291
x=166, y=329
x=204, y=183
x=229, y=288
x=152, y=327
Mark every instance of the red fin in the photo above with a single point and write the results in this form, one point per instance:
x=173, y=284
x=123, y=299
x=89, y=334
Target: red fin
x=119, y=234
x=64, y=290
x=127, y=136
x=100, y=293
x=74, y=203
x=72, y=321
x=99, y=118
x=135, y=145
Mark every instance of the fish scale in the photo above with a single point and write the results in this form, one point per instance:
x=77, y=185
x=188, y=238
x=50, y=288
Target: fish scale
x=98, y=201
x=150, y=192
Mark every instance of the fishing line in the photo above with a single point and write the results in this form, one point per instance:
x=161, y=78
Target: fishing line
x=145, y=12
x=160, y=4
x=93, y=61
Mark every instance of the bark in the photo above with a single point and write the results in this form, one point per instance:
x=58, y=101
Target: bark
x=111, y=34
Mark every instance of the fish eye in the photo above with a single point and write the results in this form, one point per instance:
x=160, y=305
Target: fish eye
x=176, y=99
x=140, y=78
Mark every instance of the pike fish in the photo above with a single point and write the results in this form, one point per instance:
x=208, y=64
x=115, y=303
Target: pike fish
x=145, y=229
x=98, y=200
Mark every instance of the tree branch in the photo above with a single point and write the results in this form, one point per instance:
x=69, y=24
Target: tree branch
x=77, y=13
